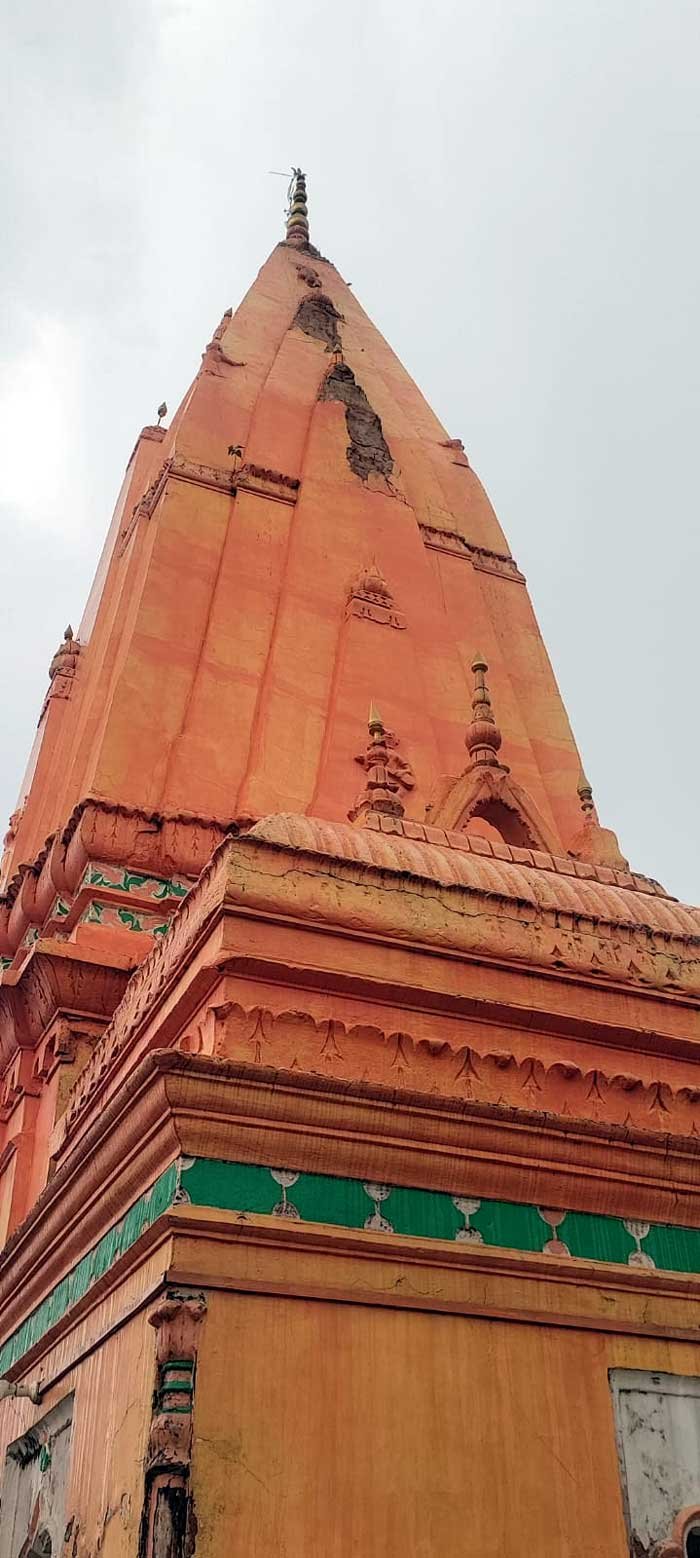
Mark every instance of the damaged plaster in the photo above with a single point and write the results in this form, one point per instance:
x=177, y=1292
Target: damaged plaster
x=368, y=449
x=318, y=317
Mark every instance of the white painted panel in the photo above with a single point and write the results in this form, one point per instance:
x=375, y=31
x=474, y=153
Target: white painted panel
x=658, y=1430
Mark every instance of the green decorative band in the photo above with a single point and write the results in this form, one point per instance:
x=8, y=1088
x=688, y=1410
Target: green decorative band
x=123, y=880
x=361, y=1204
x=97, y=913
x=428, y=1214
x=98, y=1260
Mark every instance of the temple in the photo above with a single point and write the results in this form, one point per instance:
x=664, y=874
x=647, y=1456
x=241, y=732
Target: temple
x=349, y=1113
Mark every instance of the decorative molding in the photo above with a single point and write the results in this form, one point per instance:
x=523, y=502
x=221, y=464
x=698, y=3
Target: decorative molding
x=540, y=860
x=302, y=1044
x=462, y=1218
x=175, y=1104
x=371, y=599
x=57, y=980
x=176, y=1321
x=481, y=557
x=217, y=478
x=121, y=879
x=90, y=1268
x=267, y=483
x=472, y=1224
x=555, y=929
x=162, y=845
x=97, y=912
x=146, y=986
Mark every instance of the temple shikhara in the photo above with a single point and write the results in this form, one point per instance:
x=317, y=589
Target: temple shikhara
x=350, y=1098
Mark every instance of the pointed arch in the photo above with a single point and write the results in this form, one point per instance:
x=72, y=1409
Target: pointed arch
x=491, y=793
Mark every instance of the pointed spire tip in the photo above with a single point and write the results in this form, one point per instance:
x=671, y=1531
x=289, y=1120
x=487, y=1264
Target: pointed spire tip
x=297, y=210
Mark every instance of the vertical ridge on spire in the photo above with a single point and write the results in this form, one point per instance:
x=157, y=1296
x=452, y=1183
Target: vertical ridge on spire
x=297, y=212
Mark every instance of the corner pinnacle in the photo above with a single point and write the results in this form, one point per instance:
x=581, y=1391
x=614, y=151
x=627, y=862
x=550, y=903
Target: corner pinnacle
x=585, y=794
x=483, y=737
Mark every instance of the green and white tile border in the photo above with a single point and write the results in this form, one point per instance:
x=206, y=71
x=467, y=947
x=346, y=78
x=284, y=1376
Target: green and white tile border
x=363, y=1204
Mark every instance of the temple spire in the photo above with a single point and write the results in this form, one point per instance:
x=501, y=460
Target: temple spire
x=297, y=211
x=483, y=737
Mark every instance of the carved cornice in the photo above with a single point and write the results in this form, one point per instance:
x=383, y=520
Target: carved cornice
x=268, y=484
x=144, y=991
x=296, y=1041
x=158, y=842
x=176, y=1104
x=471, y=906
x=57, y=979
x=481, y=557
x=578, y=896
x=302, y=832
x=217, y=478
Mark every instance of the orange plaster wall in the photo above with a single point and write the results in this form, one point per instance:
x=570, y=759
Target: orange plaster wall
x=113, y=1387
x=344, y=1429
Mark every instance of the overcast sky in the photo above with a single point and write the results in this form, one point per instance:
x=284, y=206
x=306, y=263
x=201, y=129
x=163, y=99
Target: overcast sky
x=512, y=189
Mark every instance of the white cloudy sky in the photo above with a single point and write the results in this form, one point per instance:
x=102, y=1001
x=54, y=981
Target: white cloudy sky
x=512, y=188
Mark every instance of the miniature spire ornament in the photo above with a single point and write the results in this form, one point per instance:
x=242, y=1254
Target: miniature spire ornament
x=585, y=794
x=592, y=842
x=297, y=212
x=65, y=660
x=381, y=792
x=483, y=737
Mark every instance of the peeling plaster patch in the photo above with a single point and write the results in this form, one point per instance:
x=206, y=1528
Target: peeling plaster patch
x=318, y=317
x=368, y=449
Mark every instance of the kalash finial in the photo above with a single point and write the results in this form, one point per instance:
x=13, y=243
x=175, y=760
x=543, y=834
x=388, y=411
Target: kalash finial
x=483, y=737
x=297, y=210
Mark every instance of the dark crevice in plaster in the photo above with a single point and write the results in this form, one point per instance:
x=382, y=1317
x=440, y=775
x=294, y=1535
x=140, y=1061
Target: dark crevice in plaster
x=168, y=1522
x=368, y=449
x=318, y=317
